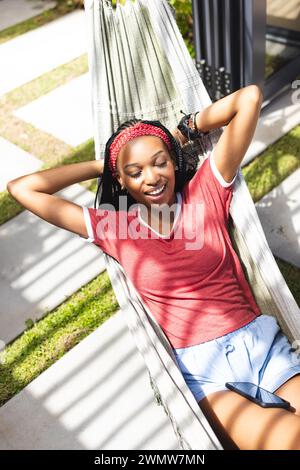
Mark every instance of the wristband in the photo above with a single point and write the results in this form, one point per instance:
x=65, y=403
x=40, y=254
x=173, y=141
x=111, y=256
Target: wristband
x=190, y=132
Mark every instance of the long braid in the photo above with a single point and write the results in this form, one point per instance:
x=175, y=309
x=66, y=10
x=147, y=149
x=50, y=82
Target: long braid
x=111, y=189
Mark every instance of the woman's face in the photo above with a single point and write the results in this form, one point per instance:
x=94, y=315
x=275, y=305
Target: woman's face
x=146, y=169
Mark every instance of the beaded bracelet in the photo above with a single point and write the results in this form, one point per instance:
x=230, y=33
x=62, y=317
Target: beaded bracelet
x=190, y=132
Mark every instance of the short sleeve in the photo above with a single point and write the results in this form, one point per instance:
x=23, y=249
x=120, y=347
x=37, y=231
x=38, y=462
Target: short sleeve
x=221, y=188
x=102, y=229
x=217, y=174
x=210, y=184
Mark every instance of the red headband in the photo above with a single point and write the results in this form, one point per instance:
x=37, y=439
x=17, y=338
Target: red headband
x=137, y=130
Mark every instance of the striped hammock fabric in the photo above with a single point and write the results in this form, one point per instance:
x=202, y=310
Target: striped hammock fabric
x=140, y=67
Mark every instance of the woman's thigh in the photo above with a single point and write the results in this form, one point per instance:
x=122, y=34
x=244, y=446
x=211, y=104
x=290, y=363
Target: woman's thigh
x=237, y=420
x=290, y=391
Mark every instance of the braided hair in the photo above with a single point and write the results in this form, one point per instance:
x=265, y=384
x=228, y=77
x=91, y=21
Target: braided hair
x=110, y=186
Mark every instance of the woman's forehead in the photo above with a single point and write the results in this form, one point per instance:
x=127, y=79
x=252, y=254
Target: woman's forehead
x=142, y=148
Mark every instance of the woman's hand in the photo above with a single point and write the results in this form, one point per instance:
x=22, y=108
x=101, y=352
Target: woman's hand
x=179, y=136
x=35, y=192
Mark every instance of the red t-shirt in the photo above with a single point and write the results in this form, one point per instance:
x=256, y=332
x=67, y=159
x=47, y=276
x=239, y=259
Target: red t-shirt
x=192, y=279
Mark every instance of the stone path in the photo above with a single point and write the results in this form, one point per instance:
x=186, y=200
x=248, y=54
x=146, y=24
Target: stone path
x=15, y=11
x=65, y=112
x=15, y=162
x=276, y=120
x=279, y=213
x=34, y=53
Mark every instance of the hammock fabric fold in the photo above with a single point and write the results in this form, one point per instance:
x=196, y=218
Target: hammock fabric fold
x=140, y=67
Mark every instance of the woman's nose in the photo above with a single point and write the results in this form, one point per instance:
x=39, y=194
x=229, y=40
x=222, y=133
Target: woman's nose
x=151, y=177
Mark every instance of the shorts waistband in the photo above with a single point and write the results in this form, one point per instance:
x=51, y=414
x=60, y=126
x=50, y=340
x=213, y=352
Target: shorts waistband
x=227, y=336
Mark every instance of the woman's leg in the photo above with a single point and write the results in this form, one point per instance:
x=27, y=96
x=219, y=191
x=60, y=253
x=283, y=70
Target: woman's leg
x=237, y=420
x=290, y=391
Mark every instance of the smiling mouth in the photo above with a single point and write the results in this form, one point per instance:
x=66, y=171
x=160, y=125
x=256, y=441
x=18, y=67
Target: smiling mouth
x=157, y=192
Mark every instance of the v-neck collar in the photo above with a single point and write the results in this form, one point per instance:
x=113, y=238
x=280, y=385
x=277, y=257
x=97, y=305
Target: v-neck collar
x=176, y=217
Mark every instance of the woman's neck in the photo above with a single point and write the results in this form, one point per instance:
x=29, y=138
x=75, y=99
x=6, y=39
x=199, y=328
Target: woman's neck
x=162, y=219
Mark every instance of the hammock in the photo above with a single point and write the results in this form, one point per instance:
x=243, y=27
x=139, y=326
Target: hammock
x=140, y=67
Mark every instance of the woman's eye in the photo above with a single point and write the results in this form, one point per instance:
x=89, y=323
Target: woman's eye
x=136, y=175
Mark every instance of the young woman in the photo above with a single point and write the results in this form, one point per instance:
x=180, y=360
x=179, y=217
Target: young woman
x=182, y=262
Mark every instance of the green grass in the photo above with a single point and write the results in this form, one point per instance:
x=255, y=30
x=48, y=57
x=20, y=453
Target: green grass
x=52, y=336
x=277, y=162
x=9, y=207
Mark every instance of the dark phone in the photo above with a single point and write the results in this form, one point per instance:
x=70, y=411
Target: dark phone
x=258, y=395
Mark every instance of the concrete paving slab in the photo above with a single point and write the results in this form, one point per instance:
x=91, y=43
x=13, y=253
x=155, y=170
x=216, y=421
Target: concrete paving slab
x=42, y=265
x=65, y=113
x=15, y=11
x=97, y=396
x=34, y=53
x=276, y=120
x=279, y=213
x=15, y=162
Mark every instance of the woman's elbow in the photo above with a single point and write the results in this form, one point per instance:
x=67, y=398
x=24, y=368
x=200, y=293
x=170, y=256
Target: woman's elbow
x=13, y=187
x=254, y=92
x=10, y=186
x=23, y=181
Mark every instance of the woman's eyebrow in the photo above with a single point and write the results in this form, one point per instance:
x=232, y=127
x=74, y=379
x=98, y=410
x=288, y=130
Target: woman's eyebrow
x=134, y=164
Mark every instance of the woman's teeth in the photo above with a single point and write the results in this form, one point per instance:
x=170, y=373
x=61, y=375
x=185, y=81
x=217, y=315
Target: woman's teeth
x=157, y=191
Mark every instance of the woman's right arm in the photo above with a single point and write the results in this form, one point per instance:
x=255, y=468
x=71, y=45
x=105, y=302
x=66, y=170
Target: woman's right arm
x=35, y=193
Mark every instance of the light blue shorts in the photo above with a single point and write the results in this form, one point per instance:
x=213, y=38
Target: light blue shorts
x=258, y=352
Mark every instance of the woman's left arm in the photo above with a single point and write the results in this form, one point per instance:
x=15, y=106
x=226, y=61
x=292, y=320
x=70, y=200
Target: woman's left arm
x=239, y=112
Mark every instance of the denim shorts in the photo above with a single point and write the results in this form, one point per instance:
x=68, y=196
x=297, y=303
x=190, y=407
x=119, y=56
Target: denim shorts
x=258, y=352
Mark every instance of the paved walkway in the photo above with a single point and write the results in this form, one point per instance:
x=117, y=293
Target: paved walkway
x=15, y=162
x=65, y=112
x=15, y=11
x=34, y=53
x=276, y=120
x=279, y=213
x=97, y=396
